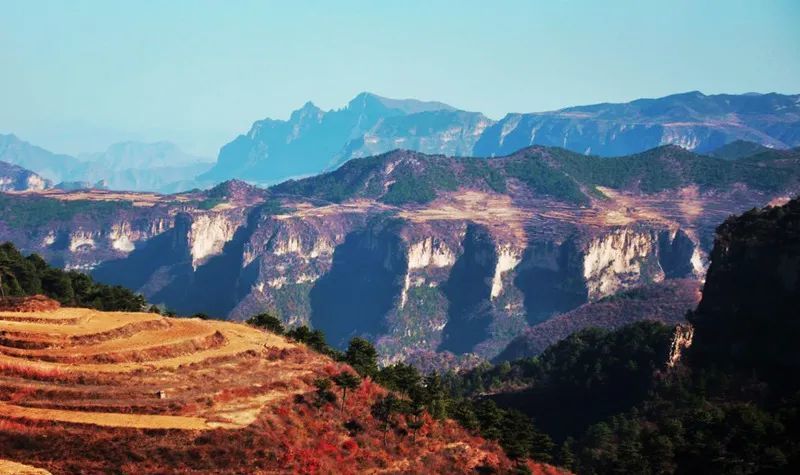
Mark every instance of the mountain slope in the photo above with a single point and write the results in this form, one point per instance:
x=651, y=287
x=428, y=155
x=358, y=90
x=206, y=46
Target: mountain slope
x=666, y=302
x=130, y=166
x=16, y=178
x=138, y=155
x=738, y=149
x=136, y=166
x=141, y=393
x=403, y=177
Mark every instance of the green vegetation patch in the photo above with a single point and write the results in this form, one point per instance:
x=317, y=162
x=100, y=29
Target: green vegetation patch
x=544, y=179
x=27, y=212
x=31, y=275
x=479, y=169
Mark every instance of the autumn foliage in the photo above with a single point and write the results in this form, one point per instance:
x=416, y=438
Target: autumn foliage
x=281, y=408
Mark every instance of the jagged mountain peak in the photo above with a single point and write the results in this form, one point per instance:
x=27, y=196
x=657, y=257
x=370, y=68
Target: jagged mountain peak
x=309, y=110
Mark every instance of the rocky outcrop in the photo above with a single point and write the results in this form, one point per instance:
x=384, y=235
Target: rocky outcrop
x=748, y=317
x=208, y=235
x=619, y=260
x=681, y=341
x=15, y=178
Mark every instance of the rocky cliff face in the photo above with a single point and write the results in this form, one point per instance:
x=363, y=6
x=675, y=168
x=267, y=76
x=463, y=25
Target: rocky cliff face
x=448, y=284
x=422, y=254
x=15, y=178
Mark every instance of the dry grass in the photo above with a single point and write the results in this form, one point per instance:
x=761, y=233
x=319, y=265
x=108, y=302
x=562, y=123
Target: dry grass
x=214, y=374
x=144, y=199
x=13, y=468
x=195, y=396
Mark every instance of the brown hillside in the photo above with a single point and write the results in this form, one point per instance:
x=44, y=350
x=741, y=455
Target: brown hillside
x=83, y=391
x=33, y=303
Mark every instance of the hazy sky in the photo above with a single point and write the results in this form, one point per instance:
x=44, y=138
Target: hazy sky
x=78, y=75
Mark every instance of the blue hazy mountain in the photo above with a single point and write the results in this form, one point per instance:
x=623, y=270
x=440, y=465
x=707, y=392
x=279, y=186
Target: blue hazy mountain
x=313, y=140
x=52, y=166
x=139, y=155
x=692, y=120
x=134, y=166
x=138, y=166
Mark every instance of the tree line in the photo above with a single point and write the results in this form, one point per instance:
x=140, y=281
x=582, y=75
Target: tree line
x=30, y=275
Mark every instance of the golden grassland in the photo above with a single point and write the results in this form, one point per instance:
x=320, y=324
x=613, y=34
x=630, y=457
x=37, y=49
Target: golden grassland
x=83, y=391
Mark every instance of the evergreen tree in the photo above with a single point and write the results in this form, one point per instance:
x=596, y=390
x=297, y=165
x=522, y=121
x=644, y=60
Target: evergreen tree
x=566, y=457
x=323, y=394
x=362, y=356
x=346, y=380
x=383, y=409
x=267, y=322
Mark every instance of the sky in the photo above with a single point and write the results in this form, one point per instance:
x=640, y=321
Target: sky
x=76, y=76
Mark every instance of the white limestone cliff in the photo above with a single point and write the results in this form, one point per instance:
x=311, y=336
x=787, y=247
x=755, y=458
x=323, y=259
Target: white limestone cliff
x=620, y=259
x=208, y=235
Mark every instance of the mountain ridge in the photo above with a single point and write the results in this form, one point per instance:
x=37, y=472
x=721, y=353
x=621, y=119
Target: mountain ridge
x=693, y=120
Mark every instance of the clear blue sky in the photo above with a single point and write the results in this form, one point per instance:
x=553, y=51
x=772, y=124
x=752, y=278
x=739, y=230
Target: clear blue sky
x=78, y=75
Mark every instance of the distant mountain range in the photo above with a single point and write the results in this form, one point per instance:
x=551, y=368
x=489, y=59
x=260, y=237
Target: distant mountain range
x=313, y=140
x=52, y=166
x=133, y=166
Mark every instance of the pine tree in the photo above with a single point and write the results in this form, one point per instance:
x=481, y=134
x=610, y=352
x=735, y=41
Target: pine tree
x=267, y=322
x=346, y=380
x=566, y=456
x=362, y=356
x=383, y=409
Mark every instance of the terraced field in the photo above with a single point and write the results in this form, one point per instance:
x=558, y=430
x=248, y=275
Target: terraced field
x=139, y=370
x=83, y=391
